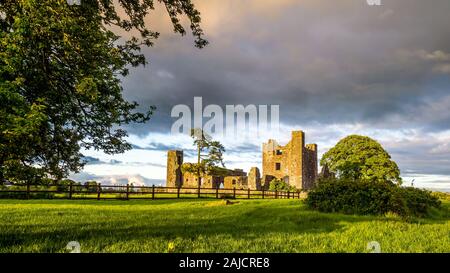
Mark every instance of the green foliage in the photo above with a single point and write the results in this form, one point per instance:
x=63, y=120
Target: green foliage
x=418, y=202
x=365, y=197
x=280, y=185
x=442, y=195
x=91, y=186
x=47, y=185
x=20, y=124
x=23, y=195
x=361, y=158
x=60, y=72
x=64, y=184
x=206, y=163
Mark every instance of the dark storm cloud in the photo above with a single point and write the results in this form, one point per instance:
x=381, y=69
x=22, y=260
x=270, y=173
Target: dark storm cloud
x=424, y=158
x=321, y=61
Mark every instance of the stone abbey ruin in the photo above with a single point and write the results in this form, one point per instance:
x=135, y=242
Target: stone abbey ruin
x=294, y=163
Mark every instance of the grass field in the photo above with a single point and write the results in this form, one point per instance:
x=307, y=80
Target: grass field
x=209, y=226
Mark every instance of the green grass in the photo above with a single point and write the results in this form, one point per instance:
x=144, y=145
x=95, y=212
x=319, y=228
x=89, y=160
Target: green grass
x=209, y=226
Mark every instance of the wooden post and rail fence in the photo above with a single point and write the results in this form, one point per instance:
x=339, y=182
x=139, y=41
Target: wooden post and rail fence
x=127, y=192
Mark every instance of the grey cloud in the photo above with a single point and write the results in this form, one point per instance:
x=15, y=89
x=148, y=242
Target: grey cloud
x=89, y=160
x=421, y=155
x=244, y=148
x=324, y=62
x=156, y=146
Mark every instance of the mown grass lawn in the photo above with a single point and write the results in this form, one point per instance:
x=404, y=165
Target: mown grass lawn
x=209, y=226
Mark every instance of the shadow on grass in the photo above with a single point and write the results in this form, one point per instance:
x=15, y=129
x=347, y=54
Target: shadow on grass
x=238, y=221
x=246, y=220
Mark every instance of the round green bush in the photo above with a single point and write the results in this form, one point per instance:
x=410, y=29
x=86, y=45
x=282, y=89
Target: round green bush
x=419, y=201
x=363, y=197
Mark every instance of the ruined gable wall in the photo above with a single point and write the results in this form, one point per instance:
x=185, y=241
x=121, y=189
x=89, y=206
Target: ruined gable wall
x=174, y=162
x=298, y=161
x=273, y=154
x=310, y=166
x=290, y=159
x=254, y=179
x=190, y=180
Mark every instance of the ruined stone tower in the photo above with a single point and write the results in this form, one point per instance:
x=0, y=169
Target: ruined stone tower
x=174, y=162
x=294, y=163
x=254, y=179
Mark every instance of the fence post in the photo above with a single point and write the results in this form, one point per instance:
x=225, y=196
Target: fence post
x=153, y=191
x=289, y=194
x=198, y=191
x=234, y=192
x=248, y=197
x=263, y=193
x=276, y=194
x=217, y=192
x=28, y=190
x=70, y=190
x=99, y=189
x=298, y=195
x=178, y=191
x=128, y=191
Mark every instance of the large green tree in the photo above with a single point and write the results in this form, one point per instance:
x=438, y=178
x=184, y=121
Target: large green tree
x=60, y=71
x=361, y=158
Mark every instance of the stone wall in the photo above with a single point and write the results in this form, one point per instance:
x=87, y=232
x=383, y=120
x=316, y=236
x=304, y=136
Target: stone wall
x=254, y=179
x=265, y=181
x=310, y=166
x=190, y=180
x=238, y=182
x=294, y=163
x=174, y=162
x=177, y=178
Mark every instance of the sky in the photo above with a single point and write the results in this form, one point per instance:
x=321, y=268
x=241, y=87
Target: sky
x=335, y=68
